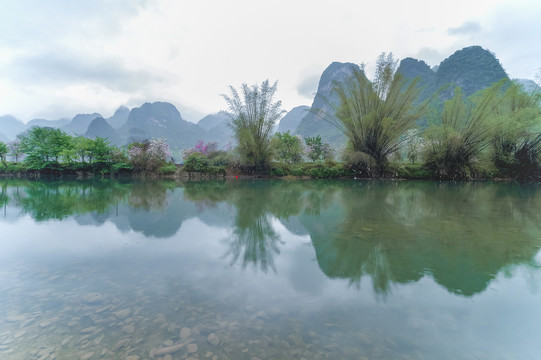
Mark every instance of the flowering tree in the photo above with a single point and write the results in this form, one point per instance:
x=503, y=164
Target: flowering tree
x=148, y=156
x=201, y=148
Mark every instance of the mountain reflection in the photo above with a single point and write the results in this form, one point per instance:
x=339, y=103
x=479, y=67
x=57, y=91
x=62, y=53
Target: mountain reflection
x=461, y=235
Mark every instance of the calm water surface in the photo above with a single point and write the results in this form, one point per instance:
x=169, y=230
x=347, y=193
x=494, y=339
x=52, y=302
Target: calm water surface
x=269, y=270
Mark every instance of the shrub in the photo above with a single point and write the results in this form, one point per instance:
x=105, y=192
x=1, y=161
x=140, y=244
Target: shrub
x=287, y=148
x=168, y=169
x=197, y=162
x=324, y=171
x=220, y=158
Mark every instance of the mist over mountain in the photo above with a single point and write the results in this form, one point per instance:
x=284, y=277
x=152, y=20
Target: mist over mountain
x=47, y=123
x=10, y=126
x=119, y=118
x=527, y=85
x=292, y=119
x=211, y=121
x=79, y=124
x=471, y=69
x=161, y=119
x=3, y=138
x=313, y=124
x=99, y=127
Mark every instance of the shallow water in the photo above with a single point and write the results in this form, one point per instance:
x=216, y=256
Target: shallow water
x=269, y=270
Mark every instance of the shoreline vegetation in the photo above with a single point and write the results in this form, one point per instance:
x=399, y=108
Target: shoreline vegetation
x=494, y=134
x=299, y=171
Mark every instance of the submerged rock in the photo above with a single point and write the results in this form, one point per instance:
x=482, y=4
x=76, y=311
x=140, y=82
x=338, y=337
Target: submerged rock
x=168, y=350
x=185, y=333
x=213, y=339
x=87, y=356
x=192, y=348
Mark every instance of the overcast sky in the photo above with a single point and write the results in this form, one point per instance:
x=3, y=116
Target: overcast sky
x=62, y=57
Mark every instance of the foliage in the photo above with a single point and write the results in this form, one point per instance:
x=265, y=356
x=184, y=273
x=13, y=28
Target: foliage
x=287, y=148
x=3, y=151
x=465, y=132
x=517, y=138
x=220, y=158
x=197, y=162
x=253, y=116
x=168, y=169
x=328, y=169
x=413, y=171
x=317, y=149
x=478, y=67
x=43, y=145
x=375, y=115
x=148, y=156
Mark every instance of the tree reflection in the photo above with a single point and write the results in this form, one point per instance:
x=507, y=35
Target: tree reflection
x=254, y=241
x=461, y=235
x=57, y=200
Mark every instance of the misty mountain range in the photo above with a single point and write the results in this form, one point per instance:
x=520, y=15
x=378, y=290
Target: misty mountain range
x=472, y=69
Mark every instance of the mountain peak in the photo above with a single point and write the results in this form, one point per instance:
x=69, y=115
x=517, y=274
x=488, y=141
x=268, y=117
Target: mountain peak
x=471, y=68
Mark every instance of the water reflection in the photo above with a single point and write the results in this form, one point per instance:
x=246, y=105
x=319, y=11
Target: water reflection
x=461, y=235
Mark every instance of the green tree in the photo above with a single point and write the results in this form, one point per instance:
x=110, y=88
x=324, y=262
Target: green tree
x=44, y=145
x=253, y=115
x=82, y=147
x=374, y=116
x=99, y=150
x=287, y=148
x=3, y=151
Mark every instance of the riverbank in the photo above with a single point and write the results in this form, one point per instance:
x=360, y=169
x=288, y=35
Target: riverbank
x=304, y=171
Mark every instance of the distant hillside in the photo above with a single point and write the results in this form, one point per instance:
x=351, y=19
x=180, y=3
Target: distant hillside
x=312, y=124
x=161, y=119
x=119, y=118
x=528, y=85
x=292, y=119
x=213, y=120
x=472, y=68
x=412, y=68
x=217, y=128
x=79, y=123
x=10, y=126
x=4, y=138
x=47, y=123
x=99, y=127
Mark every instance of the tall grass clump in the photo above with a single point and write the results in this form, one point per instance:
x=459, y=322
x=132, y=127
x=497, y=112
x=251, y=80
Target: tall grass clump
x=517, y=138
x=253, y=114
x=374, y=116
x=465, y=132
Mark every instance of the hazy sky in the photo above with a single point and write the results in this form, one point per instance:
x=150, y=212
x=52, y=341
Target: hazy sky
x=62, y=57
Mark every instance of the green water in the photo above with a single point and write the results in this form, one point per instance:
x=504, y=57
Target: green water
x=269, y=270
